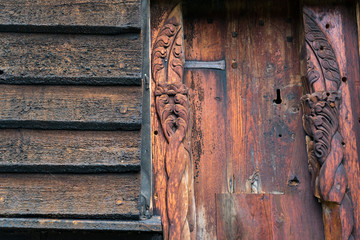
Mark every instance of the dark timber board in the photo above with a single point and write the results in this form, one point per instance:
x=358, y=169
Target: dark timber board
x=70, y=59
x=78, y=235
x=112, y=196
x=23, y=150
x=93, y=16
x=70, y=107
x=149, y=225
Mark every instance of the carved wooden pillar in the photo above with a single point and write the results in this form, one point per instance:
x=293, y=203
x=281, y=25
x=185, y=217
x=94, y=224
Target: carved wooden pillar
x=324, y=141
x=174, y=172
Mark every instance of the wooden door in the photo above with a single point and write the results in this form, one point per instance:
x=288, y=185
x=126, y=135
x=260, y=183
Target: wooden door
x=246, y=65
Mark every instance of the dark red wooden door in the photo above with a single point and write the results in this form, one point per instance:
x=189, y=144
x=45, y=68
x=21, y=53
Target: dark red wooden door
x=249, y=151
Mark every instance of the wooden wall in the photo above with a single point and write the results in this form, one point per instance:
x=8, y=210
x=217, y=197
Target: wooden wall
x=70, y=115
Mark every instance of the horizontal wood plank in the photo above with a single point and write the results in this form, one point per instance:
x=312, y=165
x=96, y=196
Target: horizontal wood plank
x=35, y=234
x=55, y=151
x=70, y=59
x=149, y=225
x=70, y=107
x=70, y=196
x=49, y=15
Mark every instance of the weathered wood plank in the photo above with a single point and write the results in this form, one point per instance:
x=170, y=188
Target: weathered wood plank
x=245, y=216
x=203, y=42
x=104, y=16
x=24, y=150
x=35, y=234
x=263, y=90
x=70, y=59
x=265, y=216
x=351, y=122
x=149, y=225
x=64, y=195
x=70, y=107
x=253, y=144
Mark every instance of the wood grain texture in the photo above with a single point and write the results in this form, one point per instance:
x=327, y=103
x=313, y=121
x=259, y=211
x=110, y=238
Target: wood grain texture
x=264, y=216
x=339, y=26
x=70, y=59
x=54, y=14
x=244, y=217
x=263, y=92
x=148, y=225
x=204, y=43
x=352, y=121
x=69, y=196
x=173, y=110
x=243, y=141
x=69, y=151
x=70, y=107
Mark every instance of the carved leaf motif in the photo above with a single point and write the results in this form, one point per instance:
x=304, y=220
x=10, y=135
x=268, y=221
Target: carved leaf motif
x=321, y=124
x=160, y=53
x=172, y=107
x=321, y=47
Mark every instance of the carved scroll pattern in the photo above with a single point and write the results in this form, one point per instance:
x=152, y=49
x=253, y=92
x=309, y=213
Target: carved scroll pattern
x=172, y=107
x=324, y=142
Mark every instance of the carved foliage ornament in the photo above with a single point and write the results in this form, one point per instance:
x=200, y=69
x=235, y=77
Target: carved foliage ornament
x=172, y=107
x=324, y=141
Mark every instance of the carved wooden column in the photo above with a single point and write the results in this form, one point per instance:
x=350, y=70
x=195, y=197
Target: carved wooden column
x=324, y=141
x=173, y=174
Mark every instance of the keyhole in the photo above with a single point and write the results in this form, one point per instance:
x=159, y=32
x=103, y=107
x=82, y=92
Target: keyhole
x=278, y=97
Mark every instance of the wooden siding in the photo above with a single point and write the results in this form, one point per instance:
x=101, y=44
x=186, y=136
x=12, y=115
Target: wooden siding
x=66, y=58
x=70, y=121
x=26, y=15
x=70, y=107
x=98, y=195
x=23, y=150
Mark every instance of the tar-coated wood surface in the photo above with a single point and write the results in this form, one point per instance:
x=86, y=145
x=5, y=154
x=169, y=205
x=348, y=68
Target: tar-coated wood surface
x=117, y=13
x=85, y=59
x=77, y=235
x=65, y=151
x=71, y=107
x=70, y=121
x=59, y=195
x=152, y=224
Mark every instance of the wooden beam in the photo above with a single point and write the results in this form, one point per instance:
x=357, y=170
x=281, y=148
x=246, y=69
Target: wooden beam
x=70, y=107
x=149, y=225
x=54, y=151
x=101, y=196
x=63, y=16
x=70, y=59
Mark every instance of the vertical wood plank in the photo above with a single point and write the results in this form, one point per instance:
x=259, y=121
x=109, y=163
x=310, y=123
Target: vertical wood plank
x=245, y=216
x=263, y=92
x=204, y=42
x=264, y=216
